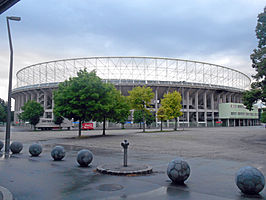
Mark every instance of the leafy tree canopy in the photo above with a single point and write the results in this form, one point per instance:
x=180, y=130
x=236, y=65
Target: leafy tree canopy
x=140, y=97
x=263, y=117
x=115, y=107
x=258, y=57
x=82, y=98
x=161, y=114
x=171, y=104
x=120, y=108
x=58, y=119
x=138, y=117
x=32, y=111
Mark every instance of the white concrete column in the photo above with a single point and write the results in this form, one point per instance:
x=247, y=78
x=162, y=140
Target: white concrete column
x=38, y=97
x=239, y=124
x=230, y=98
x=212, y=107
x=197, y=106
x=234, y=122
x=44, y=103
x=19, y=102
x=188, y=107
x=23, y=99
x=228, y=122
x=31, y=96
x=224, y=98
x=156, y=105
x=205, y=107
x=218, y=100
x=26, y=97
x=52, y=105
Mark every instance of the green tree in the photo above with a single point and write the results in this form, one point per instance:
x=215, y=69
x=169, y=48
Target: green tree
x=171, y=104
x=263, y=117
x=258, y=57
x=140, y=98
x=58, y=120
x=115, y=107
x=3, y=110
x=121, y=108
x=32, y=111
x=161, y=116
x=82, y=98
x=138, y=117
x=150, y=118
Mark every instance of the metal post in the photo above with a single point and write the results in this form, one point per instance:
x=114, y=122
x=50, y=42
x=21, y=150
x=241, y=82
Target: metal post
x=125, y=146
x=7, y=141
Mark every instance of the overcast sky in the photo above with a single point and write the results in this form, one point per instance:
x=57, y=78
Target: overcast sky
x=216, y=31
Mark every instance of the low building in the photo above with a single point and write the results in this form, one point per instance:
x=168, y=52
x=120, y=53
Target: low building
x=235, y=114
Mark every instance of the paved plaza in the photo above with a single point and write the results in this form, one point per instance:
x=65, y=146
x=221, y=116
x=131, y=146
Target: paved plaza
x=214, y=156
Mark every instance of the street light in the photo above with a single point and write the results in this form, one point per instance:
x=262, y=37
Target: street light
x=7, y=141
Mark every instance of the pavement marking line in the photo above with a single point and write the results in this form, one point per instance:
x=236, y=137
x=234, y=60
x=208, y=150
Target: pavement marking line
x=6, y=193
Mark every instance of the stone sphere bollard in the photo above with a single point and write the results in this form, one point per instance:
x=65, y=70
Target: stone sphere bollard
x=35, y=149
x=1, y=145
x=58, y=153
x=84, y=157
x=16, y=147
x=178, y=170
x=249, y=180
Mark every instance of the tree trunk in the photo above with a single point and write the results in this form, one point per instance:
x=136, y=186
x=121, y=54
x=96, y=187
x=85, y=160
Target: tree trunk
x=140, y=125
x=143, y=119
x=104, y=125
x=79, y=128
x=161, y=125
x=175, y=123
x=123, y=126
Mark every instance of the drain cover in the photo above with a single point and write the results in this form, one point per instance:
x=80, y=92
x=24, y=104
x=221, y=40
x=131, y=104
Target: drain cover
x=109, y=187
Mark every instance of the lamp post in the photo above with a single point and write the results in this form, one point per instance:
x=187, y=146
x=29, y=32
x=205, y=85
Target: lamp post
x=7, y=141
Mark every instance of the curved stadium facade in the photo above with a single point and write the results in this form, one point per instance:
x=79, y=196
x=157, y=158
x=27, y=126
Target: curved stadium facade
x=203, y=86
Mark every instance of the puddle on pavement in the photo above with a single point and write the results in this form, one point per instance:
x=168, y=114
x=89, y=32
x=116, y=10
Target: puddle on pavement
x=109, y=187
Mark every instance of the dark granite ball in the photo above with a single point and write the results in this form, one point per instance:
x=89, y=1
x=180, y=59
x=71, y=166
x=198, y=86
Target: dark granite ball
x=84, y=157
x=16, y=147
x=35, y=149
x=178, y=170
x=250, y=180
x=58, y=153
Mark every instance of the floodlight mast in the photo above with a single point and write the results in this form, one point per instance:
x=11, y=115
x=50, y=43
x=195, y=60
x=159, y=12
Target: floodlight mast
x=7, y=140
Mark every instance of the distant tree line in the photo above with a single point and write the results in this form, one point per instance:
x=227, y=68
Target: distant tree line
x=87, y=98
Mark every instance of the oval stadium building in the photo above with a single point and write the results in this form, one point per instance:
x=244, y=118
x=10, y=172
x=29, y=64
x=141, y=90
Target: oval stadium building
x=212, y=94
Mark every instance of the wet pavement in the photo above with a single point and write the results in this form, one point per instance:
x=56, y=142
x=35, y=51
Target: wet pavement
x=31, y=178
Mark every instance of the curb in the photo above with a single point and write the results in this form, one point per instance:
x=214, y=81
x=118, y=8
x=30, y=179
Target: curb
x=107, y=170
x=6, y=193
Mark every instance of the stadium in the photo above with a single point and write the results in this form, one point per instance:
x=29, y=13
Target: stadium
x=205, y=88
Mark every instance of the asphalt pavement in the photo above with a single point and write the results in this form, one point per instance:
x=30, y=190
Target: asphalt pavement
x=211, y=178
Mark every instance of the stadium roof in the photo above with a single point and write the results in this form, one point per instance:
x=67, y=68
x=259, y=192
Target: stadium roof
x=6, y=4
